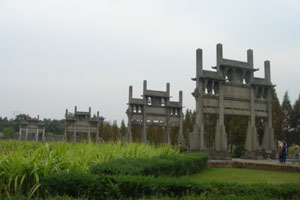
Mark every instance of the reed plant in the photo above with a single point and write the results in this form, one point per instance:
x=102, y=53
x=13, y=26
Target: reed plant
x=23, y=164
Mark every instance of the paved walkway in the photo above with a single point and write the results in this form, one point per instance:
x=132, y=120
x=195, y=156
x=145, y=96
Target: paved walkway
x=270, y=161
x=257, y=164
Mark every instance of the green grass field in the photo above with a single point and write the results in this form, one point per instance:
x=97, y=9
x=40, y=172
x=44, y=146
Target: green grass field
x=246, y=176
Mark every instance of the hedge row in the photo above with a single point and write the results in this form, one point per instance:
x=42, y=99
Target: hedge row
x=175, y=165
x=124, y=187
x=48, y=198
x=212, y=197
x=229, y=197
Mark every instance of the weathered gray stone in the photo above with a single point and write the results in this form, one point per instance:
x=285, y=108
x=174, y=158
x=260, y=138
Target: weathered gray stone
x=80, y=126
x=232, y=90
x=32, y=129
x=155, y=108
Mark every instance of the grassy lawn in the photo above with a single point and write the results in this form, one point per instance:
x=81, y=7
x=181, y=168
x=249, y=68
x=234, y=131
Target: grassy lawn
x=246, y=176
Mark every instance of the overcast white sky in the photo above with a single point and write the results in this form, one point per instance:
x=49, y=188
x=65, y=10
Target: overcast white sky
x=55, y=54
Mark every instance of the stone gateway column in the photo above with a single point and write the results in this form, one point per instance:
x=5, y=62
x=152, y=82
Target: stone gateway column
x=20, y=133
x=180, y=141
x=37, y=134
x=197, y=141
x=144, y=133
x=268, y=139
x=129, y=116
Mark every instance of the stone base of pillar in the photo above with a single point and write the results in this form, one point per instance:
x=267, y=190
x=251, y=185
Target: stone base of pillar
x=167, y=137
x=220, y=138
x=268, y=139
x=255, y=155
x=197, y=142
x=219, y=155
x=271, y=154
x=144, y=137
x=251, y=139
x=128, y=137
x=180, y=140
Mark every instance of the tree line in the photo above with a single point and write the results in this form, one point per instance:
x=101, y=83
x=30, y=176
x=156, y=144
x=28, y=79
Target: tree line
x=285, y=117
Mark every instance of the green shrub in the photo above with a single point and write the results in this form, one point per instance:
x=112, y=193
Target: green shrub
x=77, y=184
x=48, y=198
x=183, y=149
x=238, y=151
x=175, y=165
x=24, y=164
x=212, y=197
x=8, y=133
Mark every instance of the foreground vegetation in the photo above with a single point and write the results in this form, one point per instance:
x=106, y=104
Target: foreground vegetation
x=24, y=164
x=246, y=176
x=65, y=171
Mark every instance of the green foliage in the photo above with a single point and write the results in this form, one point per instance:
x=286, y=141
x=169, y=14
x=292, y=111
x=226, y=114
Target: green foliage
x=212, y=197
x=183, y=149
x=277, y=117
x=188, y=124
x=238, y=151
x=155, y=135
x=174, y=165
x=103, y=186
x=124, y=187
x=295, y=123
x=78, y=184
x=210, y=128
x=54, y=126
x=23, y=164
x=8, y=133
x=123, y=130
x=47, y=198
x=236, y=127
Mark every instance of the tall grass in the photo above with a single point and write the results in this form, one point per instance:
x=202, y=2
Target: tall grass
x=23, y=164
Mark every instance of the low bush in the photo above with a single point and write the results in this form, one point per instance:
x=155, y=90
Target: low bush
x=238, y=151
x=77, y=184
x=48, y=198
x=175, y=165
x=183, y=149
x=212, y=197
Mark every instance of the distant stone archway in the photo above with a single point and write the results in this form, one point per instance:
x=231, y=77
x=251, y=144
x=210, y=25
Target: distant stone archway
x=238, y=93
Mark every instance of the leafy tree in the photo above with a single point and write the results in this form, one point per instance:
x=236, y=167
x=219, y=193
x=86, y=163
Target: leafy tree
x=188, y=124
x=4, y=123
x=123, y=129
x=8, y=133
x=115, y=131
x=295, y=120
x=174, y=132
x=136, y=133
x=236, y=128
x=54, y=126
x=209, y=129
x=277, y=117
x=287, y=120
